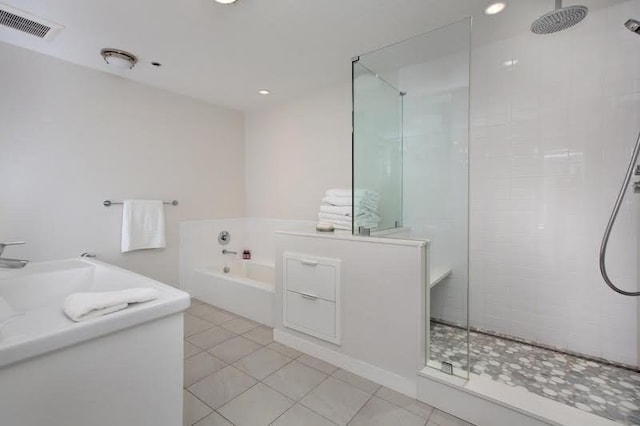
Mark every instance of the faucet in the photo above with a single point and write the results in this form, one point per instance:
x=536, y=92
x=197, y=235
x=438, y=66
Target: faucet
x=11, y=263
x=225, y=251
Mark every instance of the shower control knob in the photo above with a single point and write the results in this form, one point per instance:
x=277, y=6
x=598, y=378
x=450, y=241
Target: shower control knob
x=223, y=238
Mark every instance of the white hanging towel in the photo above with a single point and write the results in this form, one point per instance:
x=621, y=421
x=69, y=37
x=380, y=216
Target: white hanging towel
x=143, y=225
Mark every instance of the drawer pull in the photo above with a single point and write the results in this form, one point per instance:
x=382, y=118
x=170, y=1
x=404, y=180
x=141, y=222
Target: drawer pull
x=309, y=296
x=309, y=262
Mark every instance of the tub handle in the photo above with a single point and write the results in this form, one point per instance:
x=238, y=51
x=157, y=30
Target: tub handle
x=309, y=296
x=309, y=262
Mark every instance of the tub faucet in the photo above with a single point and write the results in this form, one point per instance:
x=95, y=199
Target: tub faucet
x=225, y=251
x=11, y=263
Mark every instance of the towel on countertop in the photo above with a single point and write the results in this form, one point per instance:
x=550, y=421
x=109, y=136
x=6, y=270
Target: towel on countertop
x=347, y=224
x=84, y=306
x=328, y=217
x=341, y=210
x=347, y=201
x=142, y=225
x=364, y=217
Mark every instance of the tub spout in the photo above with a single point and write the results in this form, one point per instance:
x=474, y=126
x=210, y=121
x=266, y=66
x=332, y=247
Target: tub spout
x=225, y=251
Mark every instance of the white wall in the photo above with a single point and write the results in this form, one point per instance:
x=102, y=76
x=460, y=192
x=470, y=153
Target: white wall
x=71, y=137
x=297, y=151
x=551, y=138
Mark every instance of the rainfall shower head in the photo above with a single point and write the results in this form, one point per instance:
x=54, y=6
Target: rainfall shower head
x=633, y=25
x=559, y=19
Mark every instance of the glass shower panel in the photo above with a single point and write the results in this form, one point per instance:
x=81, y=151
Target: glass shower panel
x=377, y=151
x=415, y=95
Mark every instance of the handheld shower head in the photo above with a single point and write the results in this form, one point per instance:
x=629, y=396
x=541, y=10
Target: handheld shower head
x=633, y=25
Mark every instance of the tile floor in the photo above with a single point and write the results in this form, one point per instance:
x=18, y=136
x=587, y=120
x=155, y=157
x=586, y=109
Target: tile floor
x=235, y=374
x=595, y=387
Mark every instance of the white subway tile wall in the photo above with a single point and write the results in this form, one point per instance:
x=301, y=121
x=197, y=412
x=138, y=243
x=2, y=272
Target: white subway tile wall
x=553, y=122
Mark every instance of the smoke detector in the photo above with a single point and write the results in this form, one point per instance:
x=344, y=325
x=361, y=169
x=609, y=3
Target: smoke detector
x=19, y=20
x=119, y=58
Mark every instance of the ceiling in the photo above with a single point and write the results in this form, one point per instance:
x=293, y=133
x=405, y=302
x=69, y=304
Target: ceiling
x=224, y=54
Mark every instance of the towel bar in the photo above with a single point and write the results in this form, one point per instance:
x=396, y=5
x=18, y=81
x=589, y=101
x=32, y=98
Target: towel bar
x=108, y=203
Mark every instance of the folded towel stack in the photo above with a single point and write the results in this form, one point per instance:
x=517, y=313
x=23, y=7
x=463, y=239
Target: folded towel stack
x=338, y=207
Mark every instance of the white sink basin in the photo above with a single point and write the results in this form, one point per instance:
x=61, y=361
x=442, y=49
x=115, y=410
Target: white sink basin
x=31, y=299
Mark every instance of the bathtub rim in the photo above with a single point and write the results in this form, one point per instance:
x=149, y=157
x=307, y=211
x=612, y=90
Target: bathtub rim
x=261, y=285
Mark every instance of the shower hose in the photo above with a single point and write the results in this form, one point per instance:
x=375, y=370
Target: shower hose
x=612, y=220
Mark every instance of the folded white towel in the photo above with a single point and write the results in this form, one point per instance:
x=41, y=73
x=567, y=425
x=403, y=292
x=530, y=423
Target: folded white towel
x=84, y=306
x=142, y=225
x=347, y=223
x=348, y=201
x=331, y=216
x=340, y=210
x=363, y=217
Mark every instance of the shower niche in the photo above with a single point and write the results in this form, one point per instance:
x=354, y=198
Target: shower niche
x=410, y=146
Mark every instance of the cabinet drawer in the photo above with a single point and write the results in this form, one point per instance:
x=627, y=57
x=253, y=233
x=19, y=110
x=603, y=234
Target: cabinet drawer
x=310, y=315
x=309, y=275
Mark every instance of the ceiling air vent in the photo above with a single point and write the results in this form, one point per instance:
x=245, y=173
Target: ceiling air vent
x=27, y=23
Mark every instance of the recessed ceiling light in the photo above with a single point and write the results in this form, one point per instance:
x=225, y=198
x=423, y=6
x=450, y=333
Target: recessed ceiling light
x=495, y=8
x=226, y=1
x=264, y=92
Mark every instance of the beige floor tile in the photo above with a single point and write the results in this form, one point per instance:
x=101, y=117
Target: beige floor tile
x=262, y=363
x=258, y=406
x=357, y=381
x=284, y=350
x=299, y=415
x=240, y=325
x=193, y=325
x=200, y=366
x=234, y=349
x=219, y=316
x=261, y=334
x=378, y=412
x=336, y=400
x=221, y=387
x=441, y=418
x=193, y=409
x=318, y=364
x=214, y=419
x=190, y=350
x=403, y=401
x=209, y=338
x=295, y=380
x=201, y=309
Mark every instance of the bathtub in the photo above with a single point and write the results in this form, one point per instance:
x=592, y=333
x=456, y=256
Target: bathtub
x=247, y=289
x=97, y=372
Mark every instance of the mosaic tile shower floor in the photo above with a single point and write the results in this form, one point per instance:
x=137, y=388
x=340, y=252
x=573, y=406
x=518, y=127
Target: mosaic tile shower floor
x=600, y=389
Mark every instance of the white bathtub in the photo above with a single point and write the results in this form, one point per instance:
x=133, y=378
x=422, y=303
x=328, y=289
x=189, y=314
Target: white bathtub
x=247, y=289
x=98, y=372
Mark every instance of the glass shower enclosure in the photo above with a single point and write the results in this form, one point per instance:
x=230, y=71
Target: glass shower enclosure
x=377, y=151
x=410, y=170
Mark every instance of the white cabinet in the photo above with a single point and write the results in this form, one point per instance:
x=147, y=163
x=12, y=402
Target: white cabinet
x=311, y=293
